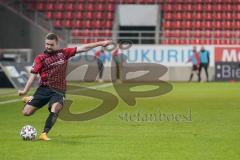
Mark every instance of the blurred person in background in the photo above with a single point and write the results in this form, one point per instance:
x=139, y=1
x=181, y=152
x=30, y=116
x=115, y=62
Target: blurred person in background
x=204, y=62
x=195, y=59
x=100, y=56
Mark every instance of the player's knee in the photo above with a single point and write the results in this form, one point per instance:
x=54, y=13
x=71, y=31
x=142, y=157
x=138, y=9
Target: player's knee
x=56, y=107
x=27, y=113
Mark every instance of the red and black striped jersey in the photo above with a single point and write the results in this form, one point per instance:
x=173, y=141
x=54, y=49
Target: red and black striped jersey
x=52, y=67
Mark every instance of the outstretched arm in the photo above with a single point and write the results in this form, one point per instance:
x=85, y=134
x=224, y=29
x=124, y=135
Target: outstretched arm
x=30, y=81
x=89, y=46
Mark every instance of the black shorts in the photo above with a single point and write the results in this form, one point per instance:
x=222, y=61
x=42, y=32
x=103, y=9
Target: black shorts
x=44, y=95
x=195, y=67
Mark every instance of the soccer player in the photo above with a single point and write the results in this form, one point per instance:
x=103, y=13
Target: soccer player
x=195, y=59
x=118, y=61
x=204, y=61
x=51, y=65
x=100, y=56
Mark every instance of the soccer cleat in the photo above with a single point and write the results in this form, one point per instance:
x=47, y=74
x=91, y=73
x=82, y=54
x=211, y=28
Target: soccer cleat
x=27, y=99
x=44, y=137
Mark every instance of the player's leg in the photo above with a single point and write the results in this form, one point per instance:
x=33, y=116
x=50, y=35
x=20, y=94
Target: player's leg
x=206, y=70
x=101, y=68
x=55, y=106
x=191, y=74
x=33, y=103
x=28, y=110
x=199, y=72
x=53, y=115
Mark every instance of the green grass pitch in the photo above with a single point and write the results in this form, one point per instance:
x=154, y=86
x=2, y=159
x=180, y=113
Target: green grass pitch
x=212, y=133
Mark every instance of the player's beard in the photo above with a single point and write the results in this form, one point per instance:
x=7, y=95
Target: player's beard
x=48, y=51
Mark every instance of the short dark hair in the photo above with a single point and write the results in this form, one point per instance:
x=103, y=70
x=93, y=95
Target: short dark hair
x=52, y=36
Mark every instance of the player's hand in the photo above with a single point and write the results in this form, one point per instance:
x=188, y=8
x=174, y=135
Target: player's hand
x=22, y=92
x=105, y=43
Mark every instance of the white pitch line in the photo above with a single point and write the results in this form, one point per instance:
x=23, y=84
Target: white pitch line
x=92, y=87
x=10, y=101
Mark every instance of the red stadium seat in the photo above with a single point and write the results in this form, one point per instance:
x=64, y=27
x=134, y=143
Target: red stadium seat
x=208, y=25
x=78, y=15
x=228, y=16
x=98, y=15
x=97, y=24
x=110, y=7
x=188, y=7
x=109, y=15
x=59, y=6
x=179, y=7
x=167, y=25
x=218, y=34
x=227, y=25
x=69, y=6
x=168, y=15
x=177, y=25
x=68, y=15
x=168, y=7
x=186, y=25
x=218, y=16
x=50, y=6
x=57, y=24
x=237, y=25
x=49, y=15
x=209, y=7
x=86, y=24
x=79, y=7
x=100, y=7
x=209, y=16
x=89, y=7
x=40, y=6
x=57, y=15
x=77, y=24
x=219, y=8
x=218, y=25
x=207, y=1
x=228, y=8
x=188, y=16
x=236, y=7
x=198, y=25
x=89, y=15
x=197, y=34
x=108, y=24
x=237, y=16
x=199, y=7
x=198, y=16
x=177, y=16
x=67, y=24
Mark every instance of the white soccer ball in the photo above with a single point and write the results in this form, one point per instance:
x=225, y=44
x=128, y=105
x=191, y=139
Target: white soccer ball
x=28, y=133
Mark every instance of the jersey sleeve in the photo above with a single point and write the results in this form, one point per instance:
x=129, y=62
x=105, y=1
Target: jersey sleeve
x=37, y=65
x=70, y=52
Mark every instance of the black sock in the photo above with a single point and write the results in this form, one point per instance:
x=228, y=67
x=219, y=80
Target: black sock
x=191, y=76
x=50, y=122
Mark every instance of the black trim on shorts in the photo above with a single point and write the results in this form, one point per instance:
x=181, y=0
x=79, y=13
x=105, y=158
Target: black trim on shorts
x=44, y=95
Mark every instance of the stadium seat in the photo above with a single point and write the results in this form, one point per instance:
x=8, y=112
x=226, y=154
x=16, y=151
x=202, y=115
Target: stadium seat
x=58, y=15
x=67, y=24
x=181, y=21
x=79, y=7
x=69, y=7
x=198, y=16
x=50, y=6
x=49, y=15
x=59, y=6
x=68, y=15
x=40, y=6
x=57, y=24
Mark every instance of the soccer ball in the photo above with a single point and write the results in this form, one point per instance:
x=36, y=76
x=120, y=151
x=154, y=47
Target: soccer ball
x=28, y=133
